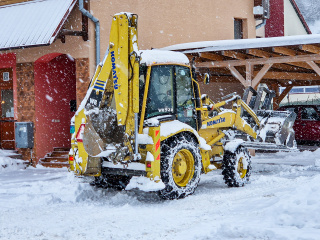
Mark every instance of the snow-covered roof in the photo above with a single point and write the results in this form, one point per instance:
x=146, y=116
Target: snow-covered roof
x=150, y=57
x=303, y=21
x=32, y=23
x=222, y=45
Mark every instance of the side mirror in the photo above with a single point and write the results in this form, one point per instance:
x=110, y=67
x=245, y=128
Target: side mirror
x=206, y=79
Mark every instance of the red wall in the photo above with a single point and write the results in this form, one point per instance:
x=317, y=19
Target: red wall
x=275, y=25
x=55, y=86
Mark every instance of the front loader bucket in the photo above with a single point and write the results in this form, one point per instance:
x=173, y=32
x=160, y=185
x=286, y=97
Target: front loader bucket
x=277, y=127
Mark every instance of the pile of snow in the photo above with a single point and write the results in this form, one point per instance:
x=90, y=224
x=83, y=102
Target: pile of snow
x=9, y=164
x=145, y=184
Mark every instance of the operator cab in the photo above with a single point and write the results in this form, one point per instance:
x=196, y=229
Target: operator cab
x=170, y=88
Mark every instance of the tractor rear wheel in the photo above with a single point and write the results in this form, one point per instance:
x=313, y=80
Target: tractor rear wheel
x=236, y=167
x=180, y=167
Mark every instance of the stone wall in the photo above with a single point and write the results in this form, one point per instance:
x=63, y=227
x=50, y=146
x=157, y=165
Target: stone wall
x=25, y=92
x=25, y=98
x=83, y=78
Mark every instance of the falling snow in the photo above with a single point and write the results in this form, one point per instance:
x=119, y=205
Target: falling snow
x=50, y=99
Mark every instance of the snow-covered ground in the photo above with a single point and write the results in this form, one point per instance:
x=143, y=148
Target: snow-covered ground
x=281, y=202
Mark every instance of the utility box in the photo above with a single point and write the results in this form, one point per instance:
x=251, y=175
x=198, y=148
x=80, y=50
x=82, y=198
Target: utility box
x=24, y=134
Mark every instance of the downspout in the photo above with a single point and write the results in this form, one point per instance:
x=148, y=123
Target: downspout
x=265, y=14
x=97, y=29
x=264, y=22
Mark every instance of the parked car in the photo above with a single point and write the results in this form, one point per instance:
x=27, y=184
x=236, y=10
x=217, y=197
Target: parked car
x=307, y=124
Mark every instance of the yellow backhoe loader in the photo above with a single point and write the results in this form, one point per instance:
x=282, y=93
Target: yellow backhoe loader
x=144, y=124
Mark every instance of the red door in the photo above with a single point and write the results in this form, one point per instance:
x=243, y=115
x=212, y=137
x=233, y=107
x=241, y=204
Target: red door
x=7, y=140
x=55, y=93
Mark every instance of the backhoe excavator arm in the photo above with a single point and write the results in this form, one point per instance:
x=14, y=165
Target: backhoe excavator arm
x=114, y=94
x=117, y=66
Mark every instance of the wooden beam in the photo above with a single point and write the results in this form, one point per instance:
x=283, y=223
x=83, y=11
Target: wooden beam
x=310, y=48
x=215, y=71
x=234, y=54
x=196, y=60
x=289, y=52
x=314, y=66
x=291, y=76
x=290, y=83
x=219, y=79
x=284, y=51
x=234, y=63
x=289, y=68
x=237, y=75
x=255, y=82
x=264, y=54
x=284, y=93
x=249, y=73
x=211, y=56
x=259, y=53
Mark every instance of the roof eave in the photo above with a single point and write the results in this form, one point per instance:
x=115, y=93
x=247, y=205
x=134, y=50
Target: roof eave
x=23, y=47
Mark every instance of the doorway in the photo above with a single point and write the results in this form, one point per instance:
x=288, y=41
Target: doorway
x=7, y=140
x=55, y=94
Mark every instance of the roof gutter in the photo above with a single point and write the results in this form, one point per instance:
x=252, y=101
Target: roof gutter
x=97, y=28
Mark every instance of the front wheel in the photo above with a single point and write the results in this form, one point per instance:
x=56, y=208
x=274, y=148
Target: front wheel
x=236, y=167
x=180, y=167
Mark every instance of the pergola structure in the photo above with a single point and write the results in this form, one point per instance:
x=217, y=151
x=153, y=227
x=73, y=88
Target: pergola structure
x=277, y=62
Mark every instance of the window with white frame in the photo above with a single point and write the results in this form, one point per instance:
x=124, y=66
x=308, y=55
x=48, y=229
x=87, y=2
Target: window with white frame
x=6, y=76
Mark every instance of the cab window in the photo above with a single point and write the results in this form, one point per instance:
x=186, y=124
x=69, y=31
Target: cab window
x=142, y=82
x=185, y=100
x=160, y=95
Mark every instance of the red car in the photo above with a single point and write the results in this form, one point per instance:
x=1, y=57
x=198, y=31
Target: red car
x=307, y=124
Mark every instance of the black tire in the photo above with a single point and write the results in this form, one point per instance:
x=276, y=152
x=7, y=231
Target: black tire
x=180, y=166
x=236, y=167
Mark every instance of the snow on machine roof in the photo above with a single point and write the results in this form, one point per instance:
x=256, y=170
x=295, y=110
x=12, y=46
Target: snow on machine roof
x=150, y=57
